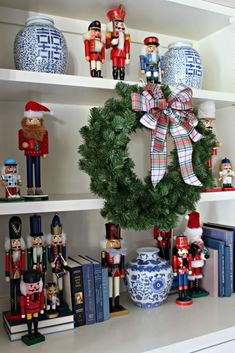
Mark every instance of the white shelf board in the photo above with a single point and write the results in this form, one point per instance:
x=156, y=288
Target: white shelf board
x=166, y=329
x=194, y=18
x=70, y=89
x=56, y=203
x=217, y=196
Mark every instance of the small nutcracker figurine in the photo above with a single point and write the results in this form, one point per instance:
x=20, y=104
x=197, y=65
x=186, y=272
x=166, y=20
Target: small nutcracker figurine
x=33, y=140
x=118, y=39
x=32, y=304
x=36, y=249
x=57, y=254
x=14, y=263
x=182, y=267
x=226, y=174
x=199, y=254
x=52, y=300
x=94, y=41
x=150, y=60
x=112, y=257
x=10, y=179
x=163, y=242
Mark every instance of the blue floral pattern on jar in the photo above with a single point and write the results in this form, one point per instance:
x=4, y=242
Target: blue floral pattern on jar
x=148, y=278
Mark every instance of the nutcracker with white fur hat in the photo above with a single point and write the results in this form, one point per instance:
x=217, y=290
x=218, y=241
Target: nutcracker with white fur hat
x=198, y=252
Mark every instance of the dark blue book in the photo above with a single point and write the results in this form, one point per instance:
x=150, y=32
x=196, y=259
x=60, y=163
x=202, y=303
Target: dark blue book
x=219, y=245
x=227, y=272
x=229, y=239
x=105, y=292
x=98, y=289
x=88, y=289
x=227, y=235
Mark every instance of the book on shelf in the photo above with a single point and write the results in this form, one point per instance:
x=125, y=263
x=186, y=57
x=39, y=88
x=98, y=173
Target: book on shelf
x=105, y=292
x=73, y=291
x=227, y=237
x=210, y=271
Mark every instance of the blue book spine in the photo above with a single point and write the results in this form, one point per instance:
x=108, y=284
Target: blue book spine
x=105, y=290
x=98, y=292
x=89, y=293
x=227, y=272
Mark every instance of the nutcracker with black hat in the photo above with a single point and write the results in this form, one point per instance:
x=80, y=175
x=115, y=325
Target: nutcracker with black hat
x=113, y=257
x=14, y=264
x=32, y=304
x=182, y=267
x=94, y=42
x=199, y=254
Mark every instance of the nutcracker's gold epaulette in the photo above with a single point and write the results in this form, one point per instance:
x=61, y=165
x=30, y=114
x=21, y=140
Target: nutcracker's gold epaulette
x=108, y=35
x=128, y=37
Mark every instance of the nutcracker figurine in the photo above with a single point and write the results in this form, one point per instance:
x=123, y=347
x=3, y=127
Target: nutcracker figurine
x=33, y=140
x=57, y=254
x=198, y=252
x=36, y=249
x=118, y=39
x=163, y=242
x=14, y=263
x=150, y=61
x=11, y=180
x=32, y=304
x=182, y=266
x=226, y=174
x=94, y=41
x=112, y=257
x=52, y=300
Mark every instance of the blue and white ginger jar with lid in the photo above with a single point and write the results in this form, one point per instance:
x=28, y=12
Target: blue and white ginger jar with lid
x=40, y=47
x=182, y=64
x=149, y=278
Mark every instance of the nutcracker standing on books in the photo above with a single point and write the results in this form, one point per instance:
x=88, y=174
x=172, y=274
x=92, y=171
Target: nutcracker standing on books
x=14, y=263
x=182, y=267
x=163, y=242
x=112, y=257
x=199, y=254
x=52, y=300
x=57, y=254
x=31, y=305
x=36, y=249
x=118, y=39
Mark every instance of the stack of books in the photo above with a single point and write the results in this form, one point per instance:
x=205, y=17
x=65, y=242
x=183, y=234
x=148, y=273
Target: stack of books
x=219, y=270
x=87, y=290
x=16, y=329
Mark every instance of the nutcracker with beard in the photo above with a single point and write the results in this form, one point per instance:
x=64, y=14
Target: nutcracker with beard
x=33, y=140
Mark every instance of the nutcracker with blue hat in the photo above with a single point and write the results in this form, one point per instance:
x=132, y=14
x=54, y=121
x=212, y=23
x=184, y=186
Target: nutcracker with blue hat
x=226, y=175
x=11, y=180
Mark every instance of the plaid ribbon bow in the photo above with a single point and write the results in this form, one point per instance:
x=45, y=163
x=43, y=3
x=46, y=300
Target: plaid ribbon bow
x=174, y=113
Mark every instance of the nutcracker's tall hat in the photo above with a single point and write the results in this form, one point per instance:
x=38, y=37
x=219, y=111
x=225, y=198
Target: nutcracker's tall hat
x=31, y=276
x=15, y=227
x=181, y=242
x=193, y=228
x=35, y=110
x=95, y=25
x=113, y=231
x=35, y=226
x=56, y=226
x=117, y=14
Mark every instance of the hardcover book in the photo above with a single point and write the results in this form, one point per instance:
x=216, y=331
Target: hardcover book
x=210, y=279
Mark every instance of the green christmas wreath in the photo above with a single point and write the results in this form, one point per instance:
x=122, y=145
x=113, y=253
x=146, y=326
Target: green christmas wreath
x=130, y=201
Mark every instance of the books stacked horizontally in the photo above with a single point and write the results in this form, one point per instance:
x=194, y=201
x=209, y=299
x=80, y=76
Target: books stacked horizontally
x=219, y=270
x=87, y=290
x=16, y=329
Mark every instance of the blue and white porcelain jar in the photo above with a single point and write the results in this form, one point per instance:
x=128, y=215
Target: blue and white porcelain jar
x=148, y=278
x=182, y=64
x=40, y=47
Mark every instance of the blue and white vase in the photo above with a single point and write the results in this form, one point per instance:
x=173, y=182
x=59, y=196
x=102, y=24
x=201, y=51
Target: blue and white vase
x=182, y=64
x=40, y=47
x=148, y=278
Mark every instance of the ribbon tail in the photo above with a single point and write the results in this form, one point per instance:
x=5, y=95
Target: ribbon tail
x=158, y=161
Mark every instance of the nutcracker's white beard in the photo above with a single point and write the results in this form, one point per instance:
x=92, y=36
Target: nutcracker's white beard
x=154, y=57
x=121, y=40
x=16, y=255
x=37, y=252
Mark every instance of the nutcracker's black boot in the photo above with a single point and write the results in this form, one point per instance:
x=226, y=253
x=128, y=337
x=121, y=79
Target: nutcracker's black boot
x=117, y=304
x=111, y=308
x=122, y=73
x=36, y=333
x=115, y=72
x=29, y=325
x=99, y=74
x=93, y=73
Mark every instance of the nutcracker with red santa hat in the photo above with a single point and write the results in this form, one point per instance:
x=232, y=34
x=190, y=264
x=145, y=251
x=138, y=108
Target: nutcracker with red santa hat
x=33, y=140
x=118, y=39
x=182, y=267
x=14, y=264
x=94, y=41
x=199, y=254
x=113, y=257
x=32, y=304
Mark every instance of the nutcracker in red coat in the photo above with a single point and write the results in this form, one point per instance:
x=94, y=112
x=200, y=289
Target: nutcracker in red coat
x=118, y=39
x=199, y=253
x=14, y=262
x=163, y=242
x=94, y=41
x=112, y=257
x=32, y=304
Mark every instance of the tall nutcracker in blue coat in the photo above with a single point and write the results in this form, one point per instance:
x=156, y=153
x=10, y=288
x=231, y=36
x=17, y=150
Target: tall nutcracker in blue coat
x=150, y=60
